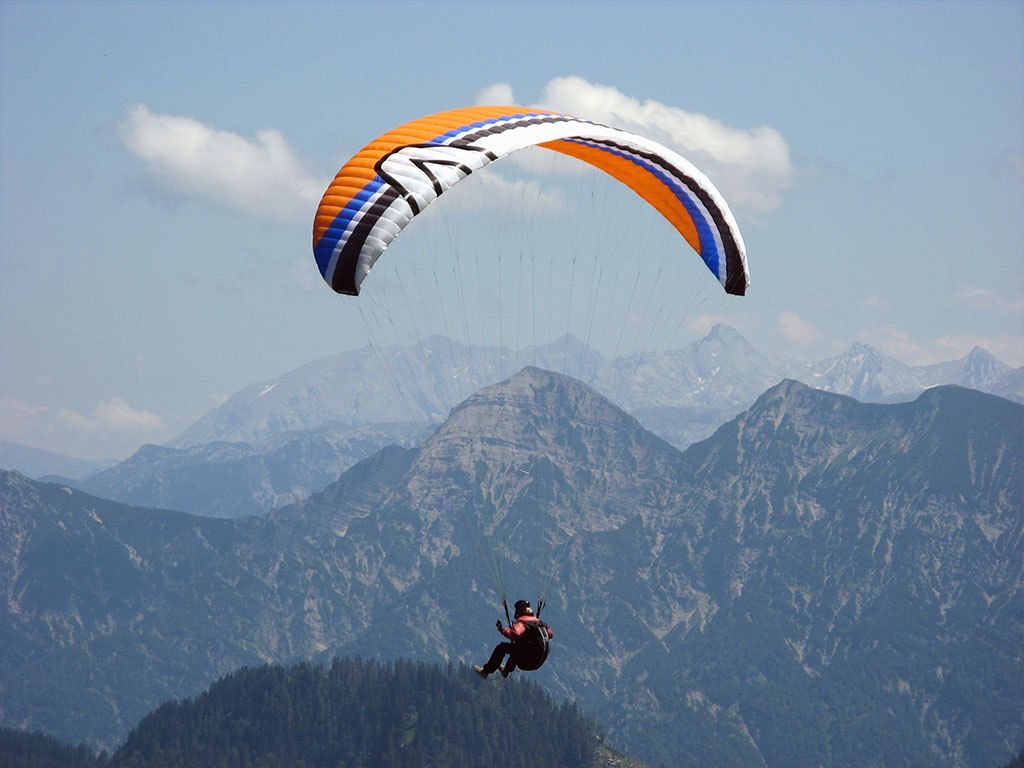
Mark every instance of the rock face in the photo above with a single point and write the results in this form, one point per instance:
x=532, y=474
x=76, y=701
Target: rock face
x=822, y=582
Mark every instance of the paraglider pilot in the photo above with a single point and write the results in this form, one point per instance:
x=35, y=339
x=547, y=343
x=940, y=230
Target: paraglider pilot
x=528, y=647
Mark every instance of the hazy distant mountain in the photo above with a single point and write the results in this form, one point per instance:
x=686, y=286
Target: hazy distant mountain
x=237, y=479
x=823, y=582
x=415, y=384
x=866, y=374
x=1011, y=385
x=681, y=395
x=979, y=370
x=367, y=386
x=36, y=463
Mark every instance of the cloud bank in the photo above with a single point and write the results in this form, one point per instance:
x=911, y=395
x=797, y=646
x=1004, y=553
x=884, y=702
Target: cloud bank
x=113, y=427
x=112, y=415
x=751, y=167
x=797, y=330
x=989, y=301
x=262, y=176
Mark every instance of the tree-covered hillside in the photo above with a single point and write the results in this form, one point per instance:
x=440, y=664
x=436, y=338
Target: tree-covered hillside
x=19, y=749
x=362, y=713
x=354, y=713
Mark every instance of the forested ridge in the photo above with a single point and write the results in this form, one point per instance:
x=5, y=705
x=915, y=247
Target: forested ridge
x=355, y=713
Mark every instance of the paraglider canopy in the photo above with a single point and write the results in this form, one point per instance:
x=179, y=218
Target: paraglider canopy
x=396, y=176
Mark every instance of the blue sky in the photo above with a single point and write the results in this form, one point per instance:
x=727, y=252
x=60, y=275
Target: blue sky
x=160, y=164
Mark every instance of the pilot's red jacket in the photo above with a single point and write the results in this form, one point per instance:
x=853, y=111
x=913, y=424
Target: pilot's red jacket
x=519, y=626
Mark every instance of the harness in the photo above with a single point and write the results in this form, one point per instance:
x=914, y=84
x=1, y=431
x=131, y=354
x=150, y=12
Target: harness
x=532, y=646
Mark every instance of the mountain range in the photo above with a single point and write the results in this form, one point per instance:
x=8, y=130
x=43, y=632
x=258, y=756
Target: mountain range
x=821, y=582
x=278, y=441
x=721, y=374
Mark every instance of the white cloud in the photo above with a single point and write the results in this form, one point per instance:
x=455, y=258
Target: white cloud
x=798, y=330
x=112, y=415
x=264, y=176
x=187, y=158
x=18, y=417
x=112, y=428
x=496, y=94
x=988, y=301
x=751, y=167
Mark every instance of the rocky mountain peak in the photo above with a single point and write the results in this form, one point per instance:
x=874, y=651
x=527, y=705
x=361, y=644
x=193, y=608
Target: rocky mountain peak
x=859, y=351
x=536, y=438
x=788, y=399
x=535, y=407
x=982, y=365
x=721, y=333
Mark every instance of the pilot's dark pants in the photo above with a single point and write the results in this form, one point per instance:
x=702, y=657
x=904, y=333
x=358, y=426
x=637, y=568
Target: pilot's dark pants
x=501, y=650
